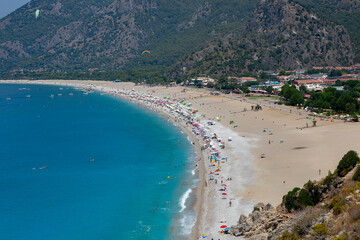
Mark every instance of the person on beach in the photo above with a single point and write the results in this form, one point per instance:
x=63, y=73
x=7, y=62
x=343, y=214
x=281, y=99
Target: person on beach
x=230, y=203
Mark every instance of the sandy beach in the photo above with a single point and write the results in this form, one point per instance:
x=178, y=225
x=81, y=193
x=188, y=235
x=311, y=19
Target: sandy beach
x=292, y=152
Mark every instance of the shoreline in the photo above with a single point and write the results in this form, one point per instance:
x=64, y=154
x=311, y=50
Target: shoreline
x=293, y=152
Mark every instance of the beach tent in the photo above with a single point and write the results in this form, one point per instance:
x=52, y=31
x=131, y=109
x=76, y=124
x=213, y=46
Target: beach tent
x=231, y=122
x=281, y=141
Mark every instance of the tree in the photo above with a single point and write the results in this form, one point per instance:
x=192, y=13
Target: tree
x=296, y=99
x=335, y=73
x=303, y=89
x=282, y=72
x=269, y=89
x=350, y=108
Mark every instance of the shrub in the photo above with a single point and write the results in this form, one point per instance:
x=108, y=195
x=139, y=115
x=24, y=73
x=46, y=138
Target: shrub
x=313, y=192
x=305, y=198
x=288, y=236
x=256, y=209
x=337, y=204
x=356, y=176
x=347, y=163
x=329, y=179
x=291, y=200
x=320, y=229
x=343, y=236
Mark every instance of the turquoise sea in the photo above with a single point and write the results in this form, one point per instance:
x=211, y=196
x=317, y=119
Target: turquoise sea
x=76, y=166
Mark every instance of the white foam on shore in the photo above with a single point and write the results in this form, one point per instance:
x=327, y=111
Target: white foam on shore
x=183, y=199
x=187, y=222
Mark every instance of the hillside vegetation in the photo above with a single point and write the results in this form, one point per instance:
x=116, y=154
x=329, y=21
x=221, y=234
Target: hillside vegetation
x=110, y=34
x=184, y=37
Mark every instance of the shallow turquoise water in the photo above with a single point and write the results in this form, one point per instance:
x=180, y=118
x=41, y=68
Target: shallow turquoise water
x=50, y=188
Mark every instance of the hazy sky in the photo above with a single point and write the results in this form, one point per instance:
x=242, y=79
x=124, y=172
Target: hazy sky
x=8, y=6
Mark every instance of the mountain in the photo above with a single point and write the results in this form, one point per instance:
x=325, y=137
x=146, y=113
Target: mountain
x=186, y=36
x=341, y=12
x=110, y=34
x=281, y=34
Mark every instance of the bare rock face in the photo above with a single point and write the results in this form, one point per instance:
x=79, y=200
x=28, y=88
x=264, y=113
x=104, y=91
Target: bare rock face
x=260, y=224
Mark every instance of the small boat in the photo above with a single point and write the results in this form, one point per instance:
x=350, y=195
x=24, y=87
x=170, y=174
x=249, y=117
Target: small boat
x=59, y=94
x=71, y=94
x=28, y=96
x=52, y=96
x=8, y=99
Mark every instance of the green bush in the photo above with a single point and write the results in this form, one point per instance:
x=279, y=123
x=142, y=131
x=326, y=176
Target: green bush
x=305, y=198
x=291, y=200
x=288, y=236
x=256, y=209
x=320, y=229
x=356, y=176
x=347, y=163
x=337, y=204
x=308, y=196
x=343, y=236
x=313, y=192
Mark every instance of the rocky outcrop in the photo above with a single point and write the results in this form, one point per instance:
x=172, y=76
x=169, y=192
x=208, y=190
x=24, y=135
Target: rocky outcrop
x=337, y=214
x=262, y=223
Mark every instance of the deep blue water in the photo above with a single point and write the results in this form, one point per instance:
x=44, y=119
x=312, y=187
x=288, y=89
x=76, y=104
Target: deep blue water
x=50, y=188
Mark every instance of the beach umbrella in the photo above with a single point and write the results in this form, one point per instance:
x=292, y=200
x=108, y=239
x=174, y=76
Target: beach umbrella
x=227, y=229
x=224, y=193
x=223, y=226
x=217, y=170
x=224, y=185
